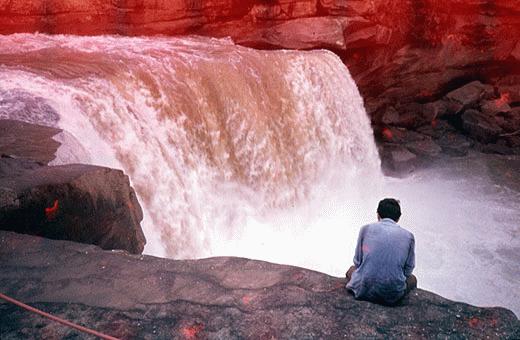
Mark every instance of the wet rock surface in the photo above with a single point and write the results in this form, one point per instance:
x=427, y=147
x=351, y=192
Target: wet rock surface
x=77, y=202
x=474, y=116
x=132, y=296
x=398, y=160
x=29, y=141
x=480, y=126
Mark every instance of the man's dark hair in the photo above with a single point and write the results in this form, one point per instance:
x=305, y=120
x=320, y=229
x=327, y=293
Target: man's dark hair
x=389, y=208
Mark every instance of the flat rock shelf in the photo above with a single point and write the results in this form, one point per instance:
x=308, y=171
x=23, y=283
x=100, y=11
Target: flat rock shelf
x=144, y=297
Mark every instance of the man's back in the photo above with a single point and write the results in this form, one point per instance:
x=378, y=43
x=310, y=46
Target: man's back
x=384, y=259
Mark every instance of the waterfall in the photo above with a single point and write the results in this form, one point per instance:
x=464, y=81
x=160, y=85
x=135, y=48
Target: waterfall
x=262, y=154
x=228, y=148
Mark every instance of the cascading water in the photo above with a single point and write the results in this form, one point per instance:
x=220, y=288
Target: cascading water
x=216, y=138
x=262, y=154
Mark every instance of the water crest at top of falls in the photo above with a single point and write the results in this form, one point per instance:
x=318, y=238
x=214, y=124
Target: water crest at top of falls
x=215, y=137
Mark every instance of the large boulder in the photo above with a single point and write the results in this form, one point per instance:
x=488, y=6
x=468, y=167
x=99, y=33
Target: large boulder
x=454, y=144
x=77, y=202
x=144, y=297
x=425, y=148
x=480, y=126
x=397, y=160
x=469, y=94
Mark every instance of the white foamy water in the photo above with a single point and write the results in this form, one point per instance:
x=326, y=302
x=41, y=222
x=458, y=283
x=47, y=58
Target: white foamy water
x=467, y=231
x=261, y=154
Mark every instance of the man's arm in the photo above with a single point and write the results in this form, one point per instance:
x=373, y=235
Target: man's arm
x=358, y=255
x=410, y=261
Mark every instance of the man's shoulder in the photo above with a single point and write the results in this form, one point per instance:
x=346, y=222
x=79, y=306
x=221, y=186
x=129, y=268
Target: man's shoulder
x=374, y=225
x=408, y=233
x=380, y=224
x=369, y=226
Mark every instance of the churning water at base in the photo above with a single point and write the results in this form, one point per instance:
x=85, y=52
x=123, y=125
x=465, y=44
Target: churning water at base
x=261, y=154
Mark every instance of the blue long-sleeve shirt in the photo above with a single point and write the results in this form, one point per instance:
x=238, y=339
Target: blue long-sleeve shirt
x=384, y=259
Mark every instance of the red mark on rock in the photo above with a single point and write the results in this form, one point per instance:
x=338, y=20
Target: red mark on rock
x=493, y=322
x=425, y=93
x=473, y=322
x=503, y=100
x=387, y=134
x=297, y=276
x=51, y=212
x=246, y=299
x=191, y=332
x=434, y=123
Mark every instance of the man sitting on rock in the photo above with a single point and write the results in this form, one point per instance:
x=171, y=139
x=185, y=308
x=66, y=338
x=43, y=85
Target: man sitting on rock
x=384, y=258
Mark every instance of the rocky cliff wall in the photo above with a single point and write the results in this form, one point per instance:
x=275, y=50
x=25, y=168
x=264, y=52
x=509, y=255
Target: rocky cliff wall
x=399, y=51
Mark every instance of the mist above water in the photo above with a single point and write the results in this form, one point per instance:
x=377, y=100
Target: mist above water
x=261, y=154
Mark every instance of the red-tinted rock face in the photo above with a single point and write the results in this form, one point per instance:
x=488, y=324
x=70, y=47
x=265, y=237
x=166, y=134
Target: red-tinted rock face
x=398, y=50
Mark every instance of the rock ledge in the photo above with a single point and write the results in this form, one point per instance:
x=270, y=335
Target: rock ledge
x=136, y=296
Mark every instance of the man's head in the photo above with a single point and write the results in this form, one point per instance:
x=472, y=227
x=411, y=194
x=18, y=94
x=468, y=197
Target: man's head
x=389, y=208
